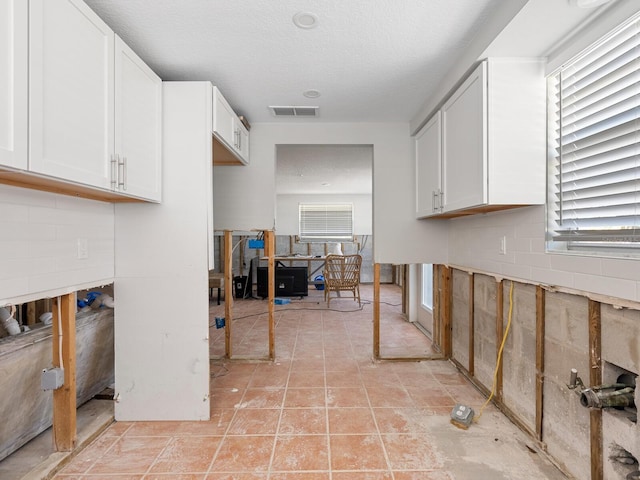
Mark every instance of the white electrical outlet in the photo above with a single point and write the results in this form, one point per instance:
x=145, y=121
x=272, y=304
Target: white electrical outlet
x=503, y=246
x=83, y=248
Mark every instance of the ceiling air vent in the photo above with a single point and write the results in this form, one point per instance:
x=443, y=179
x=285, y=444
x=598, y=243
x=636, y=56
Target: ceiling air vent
x=294, y=111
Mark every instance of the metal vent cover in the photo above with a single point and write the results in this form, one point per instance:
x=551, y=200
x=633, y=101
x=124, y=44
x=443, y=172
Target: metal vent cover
x=294, y=111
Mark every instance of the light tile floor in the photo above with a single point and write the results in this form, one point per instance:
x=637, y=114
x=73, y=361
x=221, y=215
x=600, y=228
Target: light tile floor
x=322, y=411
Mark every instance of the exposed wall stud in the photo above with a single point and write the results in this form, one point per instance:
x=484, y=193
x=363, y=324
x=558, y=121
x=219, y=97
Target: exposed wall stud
x=471, y=325
x=270, y=246
x=499, y=335
x=64, y=398
x=540, y=334
x=376, y=311
x=228, y=291
x=595, y=378
x=445, y=307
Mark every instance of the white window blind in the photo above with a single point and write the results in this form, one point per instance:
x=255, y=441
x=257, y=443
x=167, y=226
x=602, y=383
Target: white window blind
x=326, y=222
x=594, y=144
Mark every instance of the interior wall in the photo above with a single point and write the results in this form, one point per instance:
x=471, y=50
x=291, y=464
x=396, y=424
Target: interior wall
x=475, y=241
x=39, y=250
x=287, y=211
x=245, y=198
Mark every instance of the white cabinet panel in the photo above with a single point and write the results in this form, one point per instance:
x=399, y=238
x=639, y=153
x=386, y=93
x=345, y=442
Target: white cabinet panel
x=428, y=167
x=13, y=83
x=223, y=119
x=229, y=131
x=71, y=92
x=464, y=176
x=138, y=126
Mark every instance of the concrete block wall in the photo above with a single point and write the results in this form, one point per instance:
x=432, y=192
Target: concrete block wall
x=621, y=354
x=566, y=346
x=283, y=247
x=518, y=357
x=484, y=341
x=566, y=426
x=460, y=317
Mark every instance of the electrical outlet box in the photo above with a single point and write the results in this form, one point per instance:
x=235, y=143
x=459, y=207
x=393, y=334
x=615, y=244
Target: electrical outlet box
x=52, y=378
x=462, y=416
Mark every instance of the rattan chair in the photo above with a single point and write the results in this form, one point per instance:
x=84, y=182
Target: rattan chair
x=342, y=273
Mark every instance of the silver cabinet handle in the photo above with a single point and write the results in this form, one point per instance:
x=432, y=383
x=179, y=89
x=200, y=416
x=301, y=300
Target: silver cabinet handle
x=441, y=202
x=121, y=168
x=114, y=171
x=433, y=200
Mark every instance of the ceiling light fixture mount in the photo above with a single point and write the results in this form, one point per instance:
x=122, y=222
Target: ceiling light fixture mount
x=313, y=93
x=305, y=20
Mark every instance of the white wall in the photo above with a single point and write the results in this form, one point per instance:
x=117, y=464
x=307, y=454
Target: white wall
x=474, y=242
x=287, y=211
x=38, y=245
x=245, y=199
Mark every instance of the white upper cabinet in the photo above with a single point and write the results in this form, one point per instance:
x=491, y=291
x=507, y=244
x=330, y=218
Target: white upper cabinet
x=138, y=126
x=13, y=83
x=492, y=141
x=428, y=167
x=229, y=131
x=464, y=147
x=71, y=109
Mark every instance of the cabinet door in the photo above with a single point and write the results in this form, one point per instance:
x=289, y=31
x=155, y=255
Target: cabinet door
x=223, y=120
x=428, y=167
x=464, y=144
x=13, y=83
x=138, y=125
x=71, y=92
x=242, y=141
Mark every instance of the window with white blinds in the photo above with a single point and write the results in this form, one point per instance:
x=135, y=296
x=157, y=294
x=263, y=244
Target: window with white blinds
x=594, y=144
x=326, y=222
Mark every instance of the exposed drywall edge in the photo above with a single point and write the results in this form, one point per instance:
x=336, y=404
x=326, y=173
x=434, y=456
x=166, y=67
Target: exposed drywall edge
x=489, y=30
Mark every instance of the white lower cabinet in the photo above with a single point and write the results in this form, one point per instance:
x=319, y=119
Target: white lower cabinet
x=13, y=83
x=489, y=153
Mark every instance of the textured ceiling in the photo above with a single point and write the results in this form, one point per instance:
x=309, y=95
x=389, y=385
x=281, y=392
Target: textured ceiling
x=324, y=169
x=371, y=60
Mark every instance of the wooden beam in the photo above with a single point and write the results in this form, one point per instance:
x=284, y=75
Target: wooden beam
x=445, y=307
x=241, y=256
x=228, y=291
x=595, y=378
x=437, y=313
x=471, y=325
x=64, y=356
x=499, y=335
x=540, y=335
x=376, y=311
x=269, y=237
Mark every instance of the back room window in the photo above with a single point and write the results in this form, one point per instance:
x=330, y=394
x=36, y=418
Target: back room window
x=326, y=222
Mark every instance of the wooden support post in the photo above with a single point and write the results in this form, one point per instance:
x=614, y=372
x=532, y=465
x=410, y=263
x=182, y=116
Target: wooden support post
x=540, y=334
x=376, y=311
x=241, y=256
x=445, y=307
x=471, y=325
x=437, y=312
x=228, y=291
x=64, y=398
x=271, y=273
x=595, y=378
x=291, y=249
x=499, y=335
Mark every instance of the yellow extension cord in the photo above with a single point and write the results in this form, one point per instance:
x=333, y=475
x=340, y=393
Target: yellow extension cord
x=499, y=360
